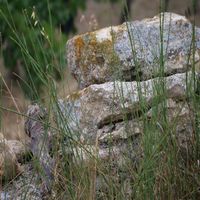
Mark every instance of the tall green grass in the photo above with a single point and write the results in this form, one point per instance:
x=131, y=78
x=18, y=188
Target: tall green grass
x=159, y=175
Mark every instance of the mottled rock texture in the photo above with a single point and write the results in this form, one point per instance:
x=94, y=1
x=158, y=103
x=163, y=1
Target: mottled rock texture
x=92, y=108
x=132, y=51
x=134, y=79
x=109, y=115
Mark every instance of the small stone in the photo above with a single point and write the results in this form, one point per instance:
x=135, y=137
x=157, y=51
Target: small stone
x=9, y=166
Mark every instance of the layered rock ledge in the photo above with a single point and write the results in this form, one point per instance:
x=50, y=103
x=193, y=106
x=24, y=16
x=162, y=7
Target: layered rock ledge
x=89, y=110
x=138, y=73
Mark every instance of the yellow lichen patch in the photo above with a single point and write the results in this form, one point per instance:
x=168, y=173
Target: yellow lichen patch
x=79, y=44
x=94, y=54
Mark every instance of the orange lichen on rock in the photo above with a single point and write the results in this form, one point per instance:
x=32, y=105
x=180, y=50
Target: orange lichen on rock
x=90, y=54
x=79, y=44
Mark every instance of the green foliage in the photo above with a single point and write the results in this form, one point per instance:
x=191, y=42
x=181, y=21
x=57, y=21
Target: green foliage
x=32, y=40
x=112, y=1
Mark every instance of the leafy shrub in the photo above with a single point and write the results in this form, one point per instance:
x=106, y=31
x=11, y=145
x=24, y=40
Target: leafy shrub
x=32, y=42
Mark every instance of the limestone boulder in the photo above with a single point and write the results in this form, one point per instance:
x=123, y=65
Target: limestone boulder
x=120, y=142
x=87, y=111
x=133, y=50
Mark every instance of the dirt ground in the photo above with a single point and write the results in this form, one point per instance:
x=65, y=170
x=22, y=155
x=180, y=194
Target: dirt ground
x=97, y=15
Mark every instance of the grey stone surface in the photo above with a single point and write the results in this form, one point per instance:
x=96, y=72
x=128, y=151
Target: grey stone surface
x=90, y=109
x=133, y=50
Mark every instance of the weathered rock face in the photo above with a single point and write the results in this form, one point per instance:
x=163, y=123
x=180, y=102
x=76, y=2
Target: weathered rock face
x=106, y=117
x=109, y=123
x=132, y=50
x=94, y=107
x=125, y=94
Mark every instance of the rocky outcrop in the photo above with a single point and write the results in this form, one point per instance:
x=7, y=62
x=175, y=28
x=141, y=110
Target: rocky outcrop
x=137, y=88
x=132, y=77
x=92, y=108
x=108, y=119
x=133, y=50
